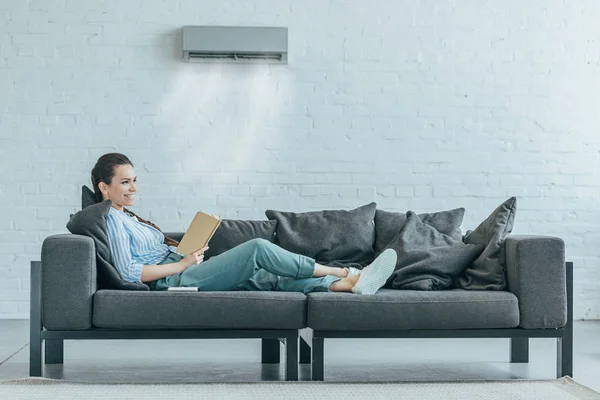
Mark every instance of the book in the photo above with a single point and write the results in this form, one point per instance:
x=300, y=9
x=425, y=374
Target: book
x=198, y=234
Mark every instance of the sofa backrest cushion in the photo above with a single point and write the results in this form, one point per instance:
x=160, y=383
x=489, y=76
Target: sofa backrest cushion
x=428, y=259
x=91, y=221
x=488, y=271
x=233, y=232
x=388, y=224
x=88, y=197
x=329, y=235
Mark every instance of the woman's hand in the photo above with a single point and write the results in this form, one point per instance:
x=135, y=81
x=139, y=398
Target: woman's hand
x=193, y=258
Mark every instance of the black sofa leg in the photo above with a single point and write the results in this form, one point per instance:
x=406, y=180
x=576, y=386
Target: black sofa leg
x=291, y=359
x=304, y=352
x=564, y=358
x=519, y=350
x=53, y=351
x=318, y=359
x=564, y=345
x=35, y=320
x=270, y=351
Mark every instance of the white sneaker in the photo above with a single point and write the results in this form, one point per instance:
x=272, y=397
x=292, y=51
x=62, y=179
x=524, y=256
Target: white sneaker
x=352, y=271
x=374, y=276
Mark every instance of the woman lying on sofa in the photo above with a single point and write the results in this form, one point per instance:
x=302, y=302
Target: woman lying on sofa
x=142, y=253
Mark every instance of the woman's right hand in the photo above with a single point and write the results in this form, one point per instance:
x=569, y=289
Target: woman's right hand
x=192, y=259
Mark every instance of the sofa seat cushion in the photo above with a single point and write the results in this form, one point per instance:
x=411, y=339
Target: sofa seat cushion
x=199, y=310
x=390, y=309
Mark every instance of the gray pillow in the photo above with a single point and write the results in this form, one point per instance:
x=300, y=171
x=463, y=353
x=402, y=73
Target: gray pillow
x=87, y=197
x=388, y=224
x=233, y=232
x=487, y=271
x=428, y=259
x=91, y=221
x=330, y=235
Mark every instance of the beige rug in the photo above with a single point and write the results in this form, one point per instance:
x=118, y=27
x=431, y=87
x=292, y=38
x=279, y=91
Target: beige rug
x=42, y=388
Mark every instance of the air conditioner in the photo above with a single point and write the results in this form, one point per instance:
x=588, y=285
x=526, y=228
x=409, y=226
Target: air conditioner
x=235, y=44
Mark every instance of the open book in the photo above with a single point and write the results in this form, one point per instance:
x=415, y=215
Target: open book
x=201, y=230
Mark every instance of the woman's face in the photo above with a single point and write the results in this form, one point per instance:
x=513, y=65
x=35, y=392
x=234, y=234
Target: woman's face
x=122, y=188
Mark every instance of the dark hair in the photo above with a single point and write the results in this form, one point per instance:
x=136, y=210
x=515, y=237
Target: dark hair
x=104, y=170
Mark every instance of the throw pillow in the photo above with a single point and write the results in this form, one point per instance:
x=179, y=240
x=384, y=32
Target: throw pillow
x=388, y=224
x=329, y=235
x=428, y=259
x=91, y=221
x=487, y=271
x=87, y=197
x=233, y=232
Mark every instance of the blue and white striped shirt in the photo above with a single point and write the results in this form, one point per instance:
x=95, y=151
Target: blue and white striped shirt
x=134, y=244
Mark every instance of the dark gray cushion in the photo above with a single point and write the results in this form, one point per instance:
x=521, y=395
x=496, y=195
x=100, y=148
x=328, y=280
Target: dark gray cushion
x=233, y=232
x=328, y=235
x=91, y=221
x=388, y=224
x=428, y=259
x=488, y=271
x=390, y=309
x=175, y=235
x=87, y=197
x=199, y=310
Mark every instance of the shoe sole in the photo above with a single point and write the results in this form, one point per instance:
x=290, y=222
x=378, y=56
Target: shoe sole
x=381, y=269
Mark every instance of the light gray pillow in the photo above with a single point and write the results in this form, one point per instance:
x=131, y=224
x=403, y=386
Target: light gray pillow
x=488, y=271
x=345, y=236
x=233, y=232
x=428, y=259
x=388, y=224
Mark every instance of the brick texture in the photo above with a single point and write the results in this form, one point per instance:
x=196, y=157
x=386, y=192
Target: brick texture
x=421, y=105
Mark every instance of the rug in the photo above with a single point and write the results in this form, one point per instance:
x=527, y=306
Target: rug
x=44, y=389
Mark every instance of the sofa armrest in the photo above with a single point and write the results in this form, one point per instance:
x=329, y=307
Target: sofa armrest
x=68, y=282
x=536, y=273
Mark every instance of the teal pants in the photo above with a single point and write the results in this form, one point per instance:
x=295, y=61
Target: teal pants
x=255, y=265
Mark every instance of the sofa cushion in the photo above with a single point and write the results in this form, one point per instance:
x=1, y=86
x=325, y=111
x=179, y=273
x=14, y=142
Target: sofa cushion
x=233, y=232
x=428, y=259
x=344, y=236
x=488, y=271
x=88, y=197
x=91, y=221
x=391, y=309
x=199, y=310
x=388, y=224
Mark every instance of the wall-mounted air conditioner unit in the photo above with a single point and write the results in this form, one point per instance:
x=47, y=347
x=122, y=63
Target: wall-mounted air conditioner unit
x=235, y=44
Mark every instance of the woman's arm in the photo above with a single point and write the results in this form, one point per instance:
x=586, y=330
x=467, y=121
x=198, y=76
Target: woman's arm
x=129, y=269
x=154, y=272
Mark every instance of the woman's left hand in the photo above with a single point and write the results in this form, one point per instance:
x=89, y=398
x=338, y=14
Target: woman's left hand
x=202, y=251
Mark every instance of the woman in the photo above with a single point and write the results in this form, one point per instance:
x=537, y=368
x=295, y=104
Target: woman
x=142, y=253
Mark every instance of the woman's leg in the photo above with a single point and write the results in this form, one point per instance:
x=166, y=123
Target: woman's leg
x=236, y=266
x=264, y=280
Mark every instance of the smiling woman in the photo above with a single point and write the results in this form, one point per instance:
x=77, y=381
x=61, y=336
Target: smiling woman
x=141, y=252
x=115, y=167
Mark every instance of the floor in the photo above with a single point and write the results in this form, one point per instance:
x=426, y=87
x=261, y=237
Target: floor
x=345, y=359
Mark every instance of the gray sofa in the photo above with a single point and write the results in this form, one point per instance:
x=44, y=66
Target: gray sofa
x=66, y=304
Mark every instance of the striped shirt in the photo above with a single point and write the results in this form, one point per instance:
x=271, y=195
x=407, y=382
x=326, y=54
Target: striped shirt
x=134, y=244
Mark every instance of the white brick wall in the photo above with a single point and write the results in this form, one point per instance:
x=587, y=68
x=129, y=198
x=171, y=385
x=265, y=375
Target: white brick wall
x=421, y=105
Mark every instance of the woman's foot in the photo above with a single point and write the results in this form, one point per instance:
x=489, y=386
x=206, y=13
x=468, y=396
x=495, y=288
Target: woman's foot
x=352, y=271
x=374, y=276
x=344, y=284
